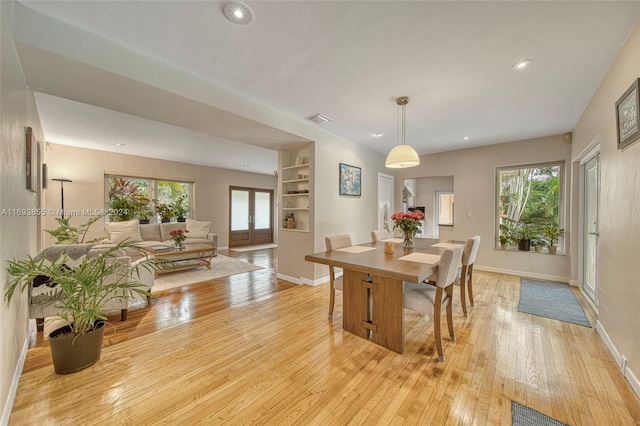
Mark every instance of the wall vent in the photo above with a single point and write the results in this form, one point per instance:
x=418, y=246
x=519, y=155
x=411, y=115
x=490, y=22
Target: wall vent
x=319, y=118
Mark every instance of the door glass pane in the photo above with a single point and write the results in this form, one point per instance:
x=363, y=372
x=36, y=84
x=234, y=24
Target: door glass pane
x=239, y=210
x=263, y=210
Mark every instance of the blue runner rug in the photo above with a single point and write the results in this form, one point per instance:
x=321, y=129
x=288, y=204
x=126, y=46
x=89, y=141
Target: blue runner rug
x=524, y=416
x=551, y=300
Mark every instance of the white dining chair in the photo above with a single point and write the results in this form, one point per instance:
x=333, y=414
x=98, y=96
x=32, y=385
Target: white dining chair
x=465, y=272
x=429, y=300
x=379, y=234
x=335, y=242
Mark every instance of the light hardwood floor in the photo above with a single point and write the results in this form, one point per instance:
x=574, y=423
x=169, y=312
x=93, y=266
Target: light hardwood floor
x=254, y=349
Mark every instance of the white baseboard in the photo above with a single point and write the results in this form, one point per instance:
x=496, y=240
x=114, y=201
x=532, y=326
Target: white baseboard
x=288, y=278
x=573, y=283
x=633, y=381
x=522, y=274
x=609, y=344
x=4, y=420
x=307, y=281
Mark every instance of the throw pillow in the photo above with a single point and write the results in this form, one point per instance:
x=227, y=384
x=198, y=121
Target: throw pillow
x=128, y=230
x=197, y=229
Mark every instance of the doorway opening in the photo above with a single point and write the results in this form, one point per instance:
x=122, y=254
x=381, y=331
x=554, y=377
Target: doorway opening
x=250, y=216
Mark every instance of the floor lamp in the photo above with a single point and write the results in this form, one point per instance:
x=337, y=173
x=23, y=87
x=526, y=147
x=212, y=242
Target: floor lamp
x=62, y=181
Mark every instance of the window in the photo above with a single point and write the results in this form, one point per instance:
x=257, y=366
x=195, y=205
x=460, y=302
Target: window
x=147, y=199
x=529, y=204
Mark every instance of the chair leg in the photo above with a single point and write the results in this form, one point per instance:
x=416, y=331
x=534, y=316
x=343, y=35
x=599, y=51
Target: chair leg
x=332, y=292
x=452, y=334
x=470, y=285
x=437, y=328
x=40, y=324
x=463, y=298
x=123, y=314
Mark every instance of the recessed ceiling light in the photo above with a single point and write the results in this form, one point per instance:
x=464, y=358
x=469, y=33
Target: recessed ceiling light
x=238, y=12
x=378, y=135
x=118, y=144
x=520, y=65
x=465, y=138
x=246, y=165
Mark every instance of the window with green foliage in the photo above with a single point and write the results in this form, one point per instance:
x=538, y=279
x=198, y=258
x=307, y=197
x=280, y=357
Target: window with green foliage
x=147, y=199
x=529, y=203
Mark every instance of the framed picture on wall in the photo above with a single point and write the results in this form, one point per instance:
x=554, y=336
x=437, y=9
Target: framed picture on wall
x=628, y=115
x=350, y=180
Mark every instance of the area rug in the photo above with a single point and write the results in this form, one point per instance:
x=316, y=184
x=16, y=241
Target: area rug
x=551, y=300
x=524, y=416
x=256, y=247
x=221, y=266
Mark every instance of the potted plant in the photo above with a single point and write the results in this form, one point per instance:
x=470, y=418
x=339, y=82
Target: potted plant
x=539, y=243
x=67, y=234
x=165, y=211
x=143, y=211
x=506, y=235
x=181, y=208
x=122, y=207
x=79, y=294
x=524, y=234
x=552, y=232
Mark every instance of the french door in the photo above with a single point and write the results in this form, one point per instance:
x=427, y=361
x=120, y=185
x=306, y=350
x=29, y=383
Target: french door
x=590, y=200
x=250, y=216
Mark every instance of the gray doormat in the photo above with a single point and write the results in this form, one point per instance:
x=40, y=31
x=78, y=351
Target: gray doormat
x=551, y=300
x=524, y=416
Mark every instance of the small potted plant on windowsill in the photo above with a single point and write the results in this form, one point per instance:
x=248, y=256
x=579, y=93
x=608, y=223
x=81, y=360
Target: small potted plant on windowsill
x=523, y=235
x=552, y=232
x=165, y=211
x=181, y=208
x=143, y=211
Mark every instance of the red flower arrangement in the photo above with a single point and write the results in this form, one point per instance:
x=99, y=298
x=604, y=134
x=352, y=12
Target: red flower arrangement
x=178, y=236
x=409, y=225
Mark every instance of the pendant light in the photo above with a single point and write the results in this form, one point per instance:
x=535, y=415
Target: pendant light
x=402, y=155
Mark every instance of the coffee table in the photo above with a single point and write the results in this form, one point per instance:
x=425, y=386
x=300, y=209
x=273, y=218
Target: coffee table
x=192, y=256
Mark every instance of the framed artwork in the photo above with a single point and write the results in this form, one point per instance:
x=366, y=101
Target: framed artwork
x=350, y=180
x=32, y=172
x=628, y=115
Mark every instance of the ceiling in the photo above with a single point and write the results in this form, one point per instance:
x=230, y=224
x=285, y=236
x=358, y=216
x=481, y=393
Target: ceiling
x=348, y=60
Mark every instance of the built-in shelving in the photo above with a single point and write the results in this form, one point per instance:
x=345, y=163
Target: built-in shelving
x=295, y=198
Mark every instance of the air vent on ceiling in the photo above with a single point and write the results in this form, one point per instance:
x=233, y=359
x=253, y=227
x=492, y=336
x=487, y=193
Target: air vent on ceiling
x=319, y=118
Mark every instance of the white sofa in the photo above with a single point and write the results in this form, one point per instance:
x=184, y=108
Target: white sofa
x=41, y=305
x=154, y=234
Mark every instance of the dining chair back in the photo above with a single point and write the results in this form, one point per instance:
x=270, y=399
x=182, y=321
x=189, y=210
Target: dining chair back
x=379, y=234
x=429, y=300
x=334, y=242
x=465, y=272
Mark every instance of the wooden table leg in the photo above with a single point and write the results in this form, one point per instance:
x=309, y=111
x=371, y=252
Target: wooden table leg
x=355, y=303
x=388, y=313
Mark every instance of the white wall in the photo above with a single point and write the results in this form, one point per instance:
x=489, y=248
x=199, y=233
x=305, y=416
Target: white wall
x=474, y=179
x=86, y=168
x=18, y=234
x=618, y=265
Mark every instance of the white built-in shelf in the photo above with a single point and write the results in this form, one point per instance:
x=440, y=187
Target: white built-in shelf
x=299, y=166
x=294, y=230
x=295, y=208
x=296, y=180
x=302, y=194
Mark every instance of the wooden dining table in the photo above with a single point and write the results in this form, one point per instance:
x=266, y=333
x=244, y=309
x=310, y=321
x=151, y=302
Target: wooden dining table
x=373, y=284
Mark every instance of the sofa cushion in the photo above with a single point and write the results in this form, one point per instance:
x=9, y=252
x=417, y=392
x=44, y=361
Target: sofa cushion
x=166, y=228
x=150, y=232
x=127, y=230
x=197, y=228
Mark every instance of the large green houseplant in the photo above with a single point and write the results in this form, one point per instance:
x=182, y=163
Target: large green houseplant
x=79, y=294
x=181, y=207
x=67, y=234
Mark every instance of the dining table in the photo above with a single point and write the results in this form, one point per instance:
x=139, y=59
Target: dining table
x=373, y=284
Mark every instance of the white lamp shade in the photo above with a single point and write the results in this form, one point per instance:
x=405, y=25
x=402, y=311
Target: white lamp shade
x=402, y=156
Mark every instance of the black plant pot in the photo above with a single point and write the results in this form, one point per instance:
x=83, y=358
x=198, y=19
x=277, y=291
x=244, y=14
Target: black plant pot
x=524, y=245
x=165, y=220
x=71, y=354
x=144, y=221
x=182, y=219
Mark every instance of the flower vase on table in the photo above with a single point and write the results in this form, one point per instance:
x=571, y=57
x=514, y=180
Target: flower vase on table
x=178, y=236
x=409, y=224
